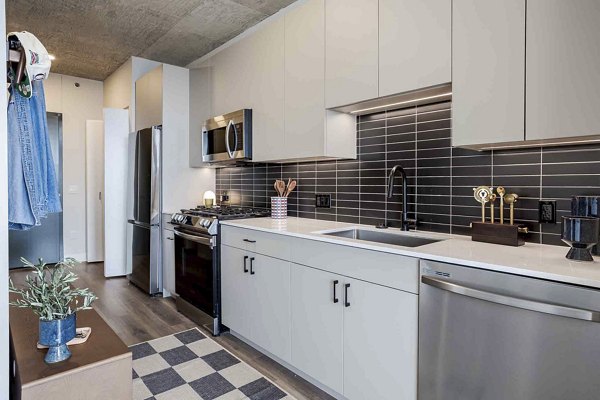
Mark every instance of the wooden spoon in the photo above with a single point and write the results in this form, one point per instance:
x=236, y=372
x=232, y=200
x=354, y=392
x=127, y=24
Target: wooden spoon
x=291, y=186
x=280, y=187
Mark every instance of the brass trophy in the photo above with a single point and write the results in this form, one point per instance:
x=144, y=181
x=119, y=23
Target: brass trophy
x=490, y=231
x=482, y=194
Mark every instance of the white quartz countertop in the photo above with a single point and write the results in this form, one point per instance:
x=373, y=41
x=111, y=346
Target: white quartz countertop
x=535, y=260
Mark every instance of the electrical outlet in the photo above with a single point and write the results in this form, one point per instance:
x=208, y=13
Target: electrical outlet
x=323, y=201
x=547, y=211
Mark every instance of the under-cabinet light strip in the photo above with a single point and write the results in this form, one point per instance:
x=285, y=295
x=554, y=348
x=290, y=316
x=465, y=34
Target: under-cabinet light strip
x=400, y=103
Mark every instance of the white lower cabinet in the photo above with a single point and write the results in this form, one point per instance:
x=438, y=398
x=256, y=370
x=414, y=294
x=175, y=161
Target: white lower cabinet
x=356, y=337
x=270, y=309
x=317, y=321
x=255, y=298
x=235, y=290
x=363, y=346
x=380, y=342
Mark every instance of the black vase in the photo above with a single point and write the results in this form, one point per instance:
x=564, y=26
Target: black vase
x=587, y=206
x=581, y=233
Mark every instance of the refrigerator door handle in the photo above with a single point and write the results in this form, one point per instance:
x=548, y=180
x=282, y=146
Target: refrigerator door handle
x=517, y=302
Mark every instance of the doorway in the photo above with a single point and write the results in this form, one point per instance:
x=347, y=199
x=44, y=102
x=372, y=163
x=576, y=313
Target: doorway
x=44, y=241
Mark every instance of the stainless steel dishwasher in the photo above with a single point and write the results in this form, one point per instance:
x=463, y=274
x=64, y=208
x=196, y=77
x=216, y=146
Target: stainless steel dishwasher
x=493, y=336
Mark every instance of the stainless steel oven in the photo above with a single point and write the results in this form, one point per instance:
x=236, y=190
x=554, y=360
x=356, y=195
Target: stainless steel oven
x=197, y=277
x=228, y=138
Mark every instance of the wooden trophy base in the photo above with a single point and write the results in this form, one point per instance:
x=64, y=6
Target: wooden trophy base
x=506, y=234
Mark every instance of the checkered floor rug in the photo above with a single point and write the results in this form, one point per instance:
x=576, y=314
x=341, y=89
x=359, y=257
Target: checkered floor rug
x=191, y=366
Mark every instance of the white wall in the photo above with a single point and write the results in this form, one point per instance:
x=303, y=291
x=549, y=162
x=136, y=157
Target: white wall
x=77, y=104
x=183, y=186
x=4, y=370
x=117, y=87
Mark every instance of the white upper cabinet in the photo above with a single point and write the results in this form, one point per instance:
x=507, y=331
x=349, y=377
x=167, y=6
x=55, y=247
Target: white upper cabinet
x=562, y=78
x=488, y=78
x=262, y=86
x=249, y=74
x=226, y=79
x=414, y=44
x=310, y=130
x=351, y=51
x=305, y=80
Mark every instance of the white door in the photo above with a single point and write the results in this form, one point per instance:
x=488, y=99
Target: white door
x=116, y=158
x=270, y=304
x=94, y=190
x=317, y=323
x=380, y=342
x=235, y=290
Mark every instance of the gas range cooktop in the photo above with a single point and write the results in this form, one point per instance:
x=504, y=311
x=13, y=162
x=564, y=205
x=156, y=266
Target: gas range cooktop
x=205, y=220
x=228, y=212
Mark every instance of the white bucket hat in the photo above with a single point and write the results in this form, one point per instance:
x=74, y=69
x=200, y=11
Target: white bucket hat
x=38, y=61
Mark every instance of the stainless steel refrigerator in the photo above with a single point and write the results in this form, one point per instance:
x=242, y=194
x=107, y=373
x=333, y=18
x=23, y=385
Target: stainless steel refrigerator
x=145, y=209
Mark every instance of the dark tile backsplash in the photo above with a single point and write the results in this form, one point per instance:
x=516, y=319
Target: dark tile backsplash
x=440, y=178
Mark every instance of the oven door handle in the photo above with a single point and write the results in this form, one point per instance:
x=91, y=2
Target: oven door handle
x=197, y=239
x=517, y=302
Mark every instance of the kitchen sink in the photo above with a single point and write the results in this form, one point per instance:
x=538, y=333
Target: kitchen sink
x=383, y=237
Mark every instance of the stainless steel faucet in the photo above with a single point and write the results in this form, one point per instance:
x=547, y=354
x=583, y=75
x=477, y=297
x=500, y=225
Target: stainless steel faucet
x=390, y=193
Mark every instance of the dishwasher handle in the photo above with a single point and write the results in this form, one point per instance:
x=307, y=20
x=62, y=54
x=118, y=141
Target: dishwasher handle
x=517, y=302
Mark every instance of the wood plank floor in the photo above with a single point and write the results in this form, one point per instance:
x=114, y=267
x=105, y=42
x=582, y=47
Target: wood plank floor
x=137, y=317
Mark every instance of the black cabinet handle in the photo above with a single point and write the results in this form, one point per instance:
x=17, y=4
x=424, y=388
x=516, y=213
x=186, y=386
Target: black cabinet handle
x=346, y=302
x=249, y=241
x=335, y=283
x=245, y=268
x=252, y=266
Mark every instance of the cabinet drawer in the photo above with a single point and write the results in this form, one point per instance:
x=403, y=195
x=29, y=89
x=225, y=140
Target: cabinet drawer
x=386, y=269
x=268, y=244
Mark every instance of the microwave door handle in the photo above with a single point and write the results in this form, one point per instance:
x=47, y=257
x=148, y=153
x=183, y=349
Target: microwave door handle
x=227, y=131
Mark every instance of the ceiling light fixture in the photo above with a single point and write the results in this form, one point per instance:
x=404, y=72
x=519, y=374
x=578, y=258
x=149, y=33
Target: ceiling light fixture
x=400, y=103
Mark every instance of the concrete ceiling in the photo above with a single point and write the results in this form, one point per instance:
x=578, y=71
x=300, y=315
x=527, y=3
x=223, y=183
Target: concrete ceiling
x=92, y=38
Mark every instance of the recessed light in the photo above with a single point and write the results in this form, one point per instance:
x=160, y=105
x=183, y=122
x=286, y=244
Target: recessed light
x=51, y=57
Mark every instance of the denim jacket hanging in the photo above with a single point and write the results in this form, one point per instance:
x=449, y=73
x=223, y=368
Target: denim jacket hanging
x=32, y=186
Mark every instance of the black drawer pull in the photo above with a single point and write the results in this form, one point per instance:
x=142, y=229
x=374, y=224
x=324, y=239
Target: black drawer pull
x=249, y=241
x=252, y=266
x=346, y=302
x=245, y=268
x=335, y=283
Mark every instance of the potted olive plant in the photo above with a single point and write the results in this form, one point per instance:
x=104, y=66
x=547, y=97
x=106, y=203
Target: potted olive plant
x=49, y=294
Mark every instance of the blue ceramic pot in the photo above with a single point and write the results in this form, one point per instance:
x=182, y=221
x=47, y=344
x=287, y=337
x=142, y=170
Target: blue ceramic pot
x=56, y=334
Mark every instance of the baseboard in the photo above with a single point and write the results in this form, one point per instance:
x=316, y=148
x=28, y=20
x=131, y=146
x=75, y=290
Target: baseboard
x=81, y=257
x=287, y=365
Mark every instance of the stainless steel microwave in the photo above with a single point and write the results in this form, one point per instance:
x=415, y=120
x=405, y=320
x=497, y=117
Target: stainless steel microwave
x=227, y=138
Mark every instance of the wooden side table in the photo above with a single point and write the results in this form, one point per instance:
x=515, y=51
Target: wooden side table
x=98, y=369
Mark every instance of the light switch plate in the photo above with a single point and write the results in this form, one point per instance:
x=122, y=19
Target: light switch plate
x=547, y=212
